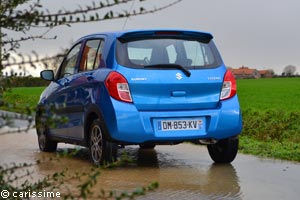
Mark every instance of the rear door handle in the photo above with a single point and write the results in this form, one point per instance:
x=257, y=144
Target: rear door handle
x=90, y=78
x=66, y=82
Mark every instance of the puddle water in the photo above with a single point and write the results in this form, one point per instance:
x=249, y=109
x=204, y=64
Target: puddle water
x=183, y=171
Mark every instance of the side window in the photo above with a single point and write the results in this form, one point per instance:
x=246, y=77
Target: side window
x=200, y=54
x=195, y=53
x=69, y=65
x=138, y=55
x=172, y=53
x=92, y=55
x=99, y=61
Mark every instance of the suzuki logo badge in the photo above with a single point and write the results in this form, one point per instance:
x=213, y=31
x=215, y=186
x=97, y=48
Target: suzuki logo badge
x=179, y=76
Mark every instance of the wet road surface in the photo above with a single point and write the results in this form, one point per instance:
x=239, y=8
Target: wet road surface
x=183, y=171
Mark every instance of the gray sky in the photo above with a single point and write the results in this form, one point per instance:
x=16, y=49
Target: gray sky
x=261, y=34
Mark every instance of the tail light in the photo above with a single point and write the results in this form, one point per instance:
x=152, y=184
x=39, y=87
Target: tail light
x=229, y=86
x=117, y=87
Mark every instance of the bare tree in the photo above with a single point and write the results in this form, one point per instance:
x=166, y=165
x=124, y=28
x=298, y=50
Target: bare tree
x=289, y=70
x=14, y=19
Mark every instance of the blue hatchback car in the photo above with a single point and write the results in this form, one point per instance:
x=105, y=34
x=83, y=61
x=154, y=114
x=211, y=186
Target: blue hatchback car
x=141, y=87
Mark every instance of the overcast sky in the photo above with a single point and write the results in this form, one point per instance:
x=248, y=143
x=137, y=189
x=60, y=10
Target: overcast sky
x=263, y=34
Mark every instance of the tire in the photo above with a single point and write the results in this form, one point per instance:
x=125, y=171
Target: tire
x=147, y=146
x=45, y=143
x=101, y=151
x=224, y=151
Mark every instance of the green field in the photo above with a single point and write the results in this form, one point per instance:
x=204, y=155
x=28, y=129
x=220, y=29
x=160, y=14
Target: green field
x=265, y=94
x=21, y=98
x=270, y=107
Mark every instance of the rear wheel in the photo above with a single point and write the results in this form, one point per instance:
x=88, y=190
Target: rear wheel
x=45, y=143
x=224, y=151
x=101, y=151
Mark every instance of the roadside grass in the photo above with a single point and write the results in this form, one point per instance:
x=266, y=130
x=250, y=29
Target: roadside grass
x=270, y=108
x=271, y=117
x=21, y=99
x=271, y=149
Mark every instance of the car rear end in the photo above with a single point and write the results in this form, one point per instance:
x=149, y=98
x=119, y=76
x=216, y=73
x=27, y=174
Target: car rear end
x=168, y=87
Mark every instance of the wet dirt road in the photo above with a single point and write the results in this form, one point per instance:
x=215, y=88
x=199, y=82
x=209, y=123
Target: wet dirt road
x=183, y=171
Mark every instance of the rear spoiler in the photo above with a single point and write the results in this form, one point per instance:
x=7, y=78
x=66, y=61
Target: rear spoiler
x=159, y=34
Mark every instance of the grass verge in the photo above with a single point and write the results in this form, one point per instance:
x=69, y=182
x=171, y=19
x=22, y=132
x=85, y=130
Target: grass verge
x=271, y=133
x=271, y=149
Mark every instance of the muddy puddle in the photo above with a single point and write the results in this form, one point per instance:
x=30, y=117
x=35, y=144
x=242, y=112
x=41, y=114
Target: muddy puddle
x=183, y=171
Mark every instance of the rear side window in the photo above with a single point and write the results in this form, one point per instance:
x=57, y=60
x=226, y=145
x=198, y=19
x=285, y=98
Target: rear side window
x=199, y=54
x=190, y=54
x=92, y=55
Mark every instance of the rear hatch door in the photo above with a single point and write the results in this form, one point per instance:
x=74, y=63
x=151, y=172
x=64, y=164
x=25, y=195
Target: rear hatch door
x=171, y=70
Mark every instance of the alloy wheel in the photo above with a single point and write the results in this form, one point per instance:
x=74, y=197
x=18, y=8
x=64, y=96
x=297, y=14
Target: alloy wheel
x=96, y=144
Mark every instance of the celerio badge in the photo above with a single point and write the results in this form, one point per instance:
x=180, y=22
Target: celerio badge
x=179, y=76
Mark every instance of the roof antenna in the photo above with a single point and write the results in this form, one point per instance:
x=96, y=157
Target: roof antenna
x=126, y=19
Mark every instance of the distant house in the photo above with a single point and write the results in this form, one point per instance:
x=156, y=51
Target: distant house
x=266, y=73
x=245, y=72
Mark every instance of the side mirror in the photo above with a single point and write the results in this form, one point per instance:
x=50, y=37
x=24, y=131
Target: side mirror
x=47, y=75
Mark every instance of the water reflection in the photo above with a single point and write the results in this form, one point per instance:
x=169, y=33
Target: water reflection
x=181, y=180
x=178, y=179
x=222, y=182
x=147, y=158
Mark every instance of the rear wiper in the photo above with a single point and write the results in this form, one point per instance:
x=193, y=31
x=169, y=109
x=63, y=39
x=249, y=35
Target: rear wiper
x=170, y=66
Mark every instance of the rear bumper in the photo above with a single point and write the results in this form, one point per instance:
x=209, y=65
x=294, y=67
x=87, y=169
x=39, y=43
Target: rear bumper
x=128, y=125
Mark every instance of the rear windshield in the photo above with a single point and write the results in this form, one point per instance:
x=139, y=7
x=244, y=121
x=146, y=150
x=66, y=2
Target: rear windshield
x=191, y=54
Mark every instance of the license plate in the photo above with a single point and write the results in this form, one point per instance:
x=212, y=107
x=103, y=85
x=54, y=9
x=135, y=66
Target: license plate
x=177, y=125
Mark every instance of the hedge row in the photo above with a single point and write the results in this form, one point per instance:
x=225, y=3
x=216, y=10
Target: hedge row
x=27, y=82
